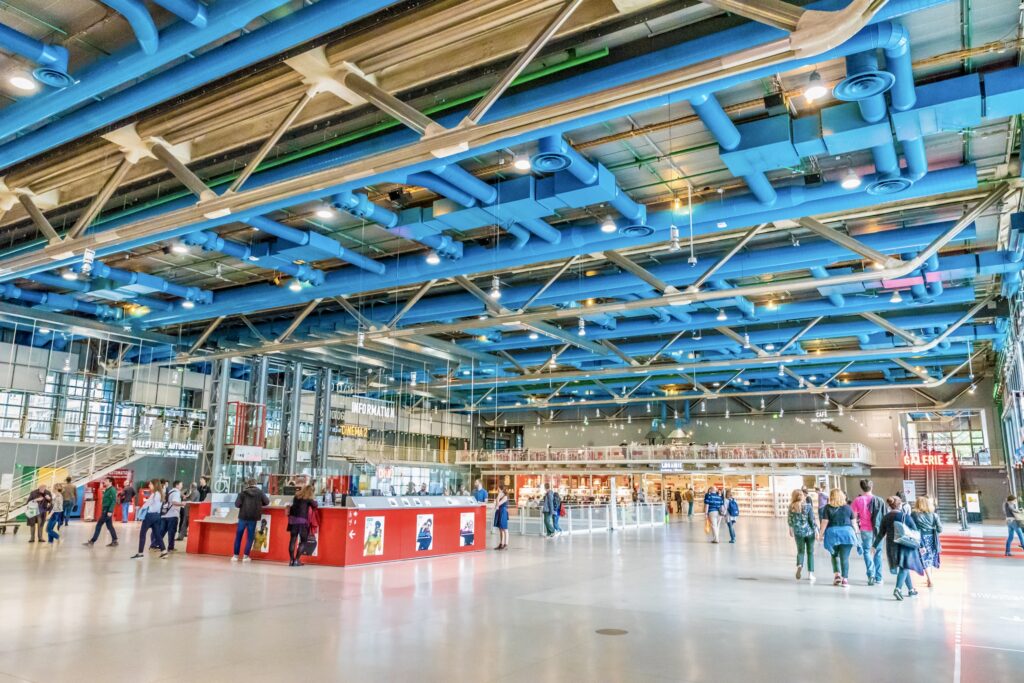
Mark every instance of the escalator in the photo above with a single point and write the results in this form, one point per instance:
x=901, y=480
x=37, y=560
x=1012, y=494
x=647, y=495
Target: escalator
x=942, y=484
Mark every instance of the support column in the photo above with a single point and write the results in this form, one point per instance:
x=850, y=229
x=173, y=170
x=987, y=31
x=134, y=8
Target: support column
x=612, y=503
x=216, y=428
x=290, y=421
x=322, y=420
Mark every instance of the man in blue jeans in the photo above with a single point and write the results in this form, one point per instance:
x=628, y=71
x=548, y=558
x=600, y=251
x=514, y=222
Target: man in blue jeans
x=127, y=497
x=250, y=503
x=868, y=510
x=547, y=507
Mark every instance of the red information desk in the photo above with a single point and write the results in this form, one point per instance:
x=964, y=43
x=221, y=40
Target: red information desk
x=368, y=530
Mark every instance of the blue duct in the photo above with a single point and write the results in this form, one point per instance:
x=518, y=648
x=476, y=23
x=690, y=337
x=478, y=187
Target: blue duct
x=130, y=278
x=52, y=60
x=178, y=41
x=710, y=112
x=467, y=182
x=323, y=247
x=141, y=21
x=211, y=241
x=56, y=302
x=191, y=11
x=359, y=205
x=441, y=187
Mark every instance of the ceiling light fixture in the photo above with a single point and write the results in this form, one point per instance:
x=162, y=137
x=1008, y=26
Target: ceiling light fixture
x=324, y=213
x=69, y=275
x=608, y=226
x=895, y=298
x=295, y=286
x=179, y=248
x=534, y=336
x=721, y=317
x=23, y=83
x=432, y=258
x=815, y=89
x=582, y=329
x=850, y=181
x=521, y=162
x=495, y=288
x=188, y=304
x=722, y=224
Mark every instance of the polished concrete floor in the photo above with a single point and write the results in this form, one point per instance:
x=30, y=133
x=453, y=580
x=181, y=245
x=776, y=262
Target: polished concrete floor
x=689, y=610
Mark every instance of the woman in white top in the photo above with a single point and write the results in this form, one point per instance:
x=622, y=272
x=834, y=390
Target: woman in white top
x=58, y=515
x=149, y=513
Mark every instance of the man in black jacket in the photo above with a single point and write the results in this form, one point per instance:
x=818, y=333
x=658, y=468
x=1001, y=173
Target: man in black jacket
x=250, y=503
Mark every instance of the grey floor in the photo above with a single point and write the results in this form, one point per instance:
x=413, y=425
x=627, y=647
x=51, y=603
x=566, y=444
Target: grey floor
x=691, y=611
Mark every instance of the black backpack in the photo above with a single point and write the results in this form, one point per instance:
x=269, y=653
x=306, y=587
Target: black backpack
x=556, y=501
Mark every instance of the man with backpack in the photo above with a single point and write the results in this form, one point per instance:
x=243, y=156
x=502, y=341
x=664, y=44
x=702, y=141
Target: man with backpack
x=868, y=510
x=170, y=515
x=547, y=507
x=250, y=503
x=557, y=503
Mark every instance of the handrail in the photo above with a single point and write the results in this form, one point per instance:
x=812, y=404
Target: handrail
x=831, y=451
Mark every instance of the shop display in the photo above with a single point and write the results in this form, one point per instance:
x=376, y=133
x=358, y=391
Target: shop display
x=373, y=540
x=425, y=533
x=467, y=524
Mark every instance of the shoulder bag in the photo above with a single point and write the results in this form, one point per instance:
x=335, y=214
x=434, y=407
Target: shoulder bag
x=904, y=535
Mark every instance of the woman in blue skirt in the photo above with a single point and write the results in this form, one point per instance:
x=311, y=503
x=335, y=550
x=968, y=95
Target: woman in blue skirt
x=501, y=517
x=903, y=559
x=930, y=526
x=838, y=535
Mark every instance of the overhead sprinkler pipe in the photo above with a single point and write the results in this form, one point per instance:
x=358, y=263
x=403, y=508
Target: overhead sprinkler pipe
x=52, y=60
x=326, y=247
x=191, y=11
x=141, y=21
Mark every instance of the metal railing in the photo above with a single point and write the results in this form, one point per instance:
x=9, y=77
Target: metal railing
x=695, y=453
x=376, y=453
x=82, y=465
x=586, y=519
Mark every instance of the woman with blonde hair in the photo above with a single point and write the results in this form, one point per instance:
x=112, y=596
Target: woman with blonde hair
x=803, y=527
x=902, y=558
x=930, y=526
x=302, y=509
x=838, y=535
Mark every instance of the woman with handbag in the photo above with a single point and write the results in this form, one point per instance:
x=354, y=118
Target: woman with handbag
x=838, y=535
x=150, y=513
x=803, y=528
x=1014, y=522
x=298, y=523
x=930, y=526
x=902, y=545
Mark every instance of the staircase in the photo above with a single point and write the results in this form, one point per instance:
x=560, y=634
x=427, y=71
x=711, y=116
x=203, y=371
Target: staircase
x=918, y=475
x=84, y=465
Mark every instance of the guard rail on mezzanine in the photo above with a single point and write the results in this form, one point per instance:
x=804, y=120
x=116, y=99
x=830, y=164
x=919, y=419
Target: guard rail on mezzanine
x=528, y=520
x=830, y=452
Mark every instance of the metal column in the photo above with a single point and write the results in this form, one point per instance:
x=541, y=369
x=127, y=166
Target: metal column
x=216, y=427
x=291, y=420
x=322, y=420
x=258, y=380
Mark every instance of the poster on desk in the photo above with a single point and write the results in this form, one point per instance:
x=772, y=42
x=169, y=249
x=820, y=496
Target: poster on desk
x=424, y=532
x=373, y=537
x=261, y=542
x=467, y=522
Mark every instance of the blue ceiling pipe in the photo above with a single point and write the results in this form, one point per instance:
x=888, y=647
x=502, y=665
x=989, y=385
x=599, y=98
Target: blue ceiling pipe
x=441, y=187
x=141, y=21
x=86, y=287
x=575, y=240
x=190, y=10
x=132, y=278
x=52, y=60
x=359, y=205
x=318, y=246
x=710, y=112
x=211, y=241
x=653, y=63
x=179, y=40
x=57, y=302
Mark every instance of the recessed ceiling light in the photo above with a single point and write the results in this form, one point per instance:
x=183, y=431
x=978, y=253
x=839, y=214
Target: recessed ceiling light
x=521, y=162
x=850, y=181
x=815, y=89
x=324, y=213
x=179, y=248
x=608, y=226
x=23, y=83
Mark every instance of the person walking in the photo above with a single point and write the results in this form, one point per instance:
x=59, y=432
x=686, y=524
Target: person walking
x=902, y=559
x=250, y=503
x=557, y=512
x=69, y=494
x=926, y=518
x=150, y=515
x=302, y=508
x=838, y=535
x=868, y=509
x=803, y=528
x=56, y=519
x=689, y=501
x=170, y=515
x=547, y=508
x=713, y=503
x=678, y=495
x=731, y=510
x=479, y=492
x=127, y=497
x=501, y=517
x=37, y=508
x=1014, y=522
x=107, y=504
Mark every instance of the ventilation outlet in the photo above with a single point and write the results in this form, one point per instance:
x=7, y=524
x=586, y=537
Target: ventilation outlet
x=636, y=231
x=861, y=86
x=888, y=186
x=549, y=162
x=52, y=77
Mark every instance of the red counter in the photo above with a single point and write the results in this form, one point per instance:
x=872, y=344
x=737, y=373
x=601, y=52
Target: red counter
x=347, y=536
